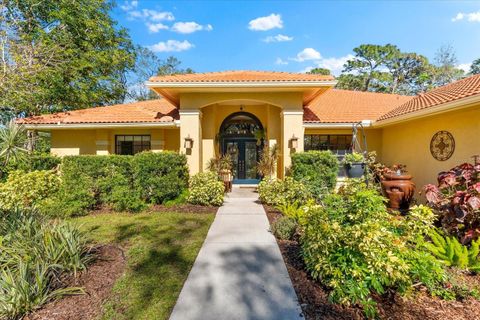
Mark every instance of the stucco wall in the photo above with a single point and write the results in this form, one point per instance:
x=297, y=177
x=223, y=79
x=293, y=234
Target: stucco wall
x=102, y=141
x=409, y=143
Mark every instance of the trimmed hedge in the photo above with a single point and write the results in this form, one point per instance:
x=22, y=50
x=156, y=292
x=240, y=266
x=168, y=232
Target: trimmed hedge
x=317, y=170
x=160, y=176
x=124, y=183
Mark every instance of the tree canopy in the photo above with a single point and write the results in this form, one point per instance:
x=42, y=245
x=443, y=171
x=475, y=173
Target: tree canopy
x=322, y=71
x=385, y=68
x=475, y=67
x=61, y=55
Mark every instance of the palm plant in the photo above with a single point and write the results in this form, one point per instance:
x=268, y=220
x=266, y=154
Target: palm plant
x=268, y=161
x=13, y=138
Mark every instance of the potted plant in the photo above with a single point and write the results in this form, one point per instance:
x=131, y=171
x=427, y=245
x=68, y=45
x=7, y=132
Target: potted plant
x=354, y=164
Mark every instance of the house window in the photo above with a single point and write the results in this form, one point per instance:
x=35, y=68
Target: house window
x=339, y=144
x=131, y=144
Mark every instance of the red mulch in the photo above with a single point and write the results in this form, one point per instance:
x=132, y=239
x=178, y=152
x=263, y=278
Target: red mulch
x=184, y=208
x=180, y=208
x=315, y=305
x=97, y=282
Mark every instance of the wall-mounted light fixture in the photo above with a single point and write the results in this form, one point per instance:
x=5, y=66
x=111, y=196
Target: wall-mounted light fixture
x=293, y=142
x=188, y=144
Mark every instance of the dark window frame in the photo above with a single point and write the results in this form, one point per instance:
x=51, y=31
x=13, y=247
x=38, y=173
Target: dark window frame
x=337, y=143
x=145, y=145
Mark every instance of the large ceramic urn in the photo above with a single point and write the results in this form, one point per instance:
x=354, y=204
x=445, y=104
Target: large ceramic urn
x=399, y=190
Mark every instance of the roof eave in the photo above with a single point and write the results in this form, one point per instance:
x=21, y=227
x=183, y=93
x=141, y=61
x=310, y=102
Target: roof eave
x=236, y=84
x=101, y=125
x=335, y=125
x=439, y=109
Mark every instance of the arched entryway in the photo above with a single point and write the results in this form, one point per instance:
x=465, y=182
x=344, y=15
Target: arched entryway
x=242, y=136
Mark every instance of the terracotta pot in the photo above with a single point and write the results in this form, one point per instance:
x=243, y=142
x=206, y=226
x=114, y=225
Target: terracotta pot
x=399, y=189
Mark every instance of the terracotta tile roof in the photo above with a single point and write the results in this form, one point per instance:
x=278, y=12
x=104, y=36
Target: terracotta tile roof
x=457, y=90
x=241, y=76
x=159, y=110
x=345, y=106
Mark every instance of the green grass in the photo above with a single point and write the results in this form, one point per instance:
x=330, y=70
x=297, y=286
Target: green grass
x=161, y=250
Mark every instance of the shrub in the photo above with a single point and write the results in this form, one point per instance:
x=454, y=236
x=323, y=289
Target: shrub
x=284, y=228
x=27, y=189
x=206, y=189
x=347, y=243
x=160, y=176
x=456, y=200
x=317, y=170
x=276, y=192
x=451, y=252
x=33, y=254
x=40, y=161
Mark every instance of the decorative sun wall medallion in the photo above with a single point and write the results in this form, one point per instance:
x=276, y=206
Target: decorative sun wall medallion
x=442, y=145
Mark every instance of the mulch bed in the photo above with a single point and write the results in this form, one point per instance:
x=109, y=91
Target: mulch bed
x=183, y=208
x=97, y=282
x=315, y=305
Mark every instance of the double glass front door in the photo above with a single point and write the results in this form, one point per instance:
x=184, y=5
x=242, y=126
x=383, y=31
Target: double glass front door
x=244, y=156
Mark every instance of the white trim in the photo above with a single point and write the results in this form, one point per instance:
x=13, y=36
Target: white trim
x=189, y=112
x=233, y=84
x=103, y=143
x=442, y=108
x=292, y=113
x=334, y=125
x=99, y=125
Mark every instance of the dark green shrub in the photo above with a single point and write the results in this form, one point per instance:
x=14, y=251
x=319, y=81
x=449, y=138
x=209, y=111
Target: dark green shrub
x=317, y=170
x=40, y=162
x=284, y=228
x=276, y=192
x=206, y=189
x=160, y=176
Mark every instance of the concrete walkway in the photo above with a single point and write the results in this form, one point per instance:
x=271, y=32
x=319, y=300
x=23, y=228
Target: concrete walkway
x=239, y=272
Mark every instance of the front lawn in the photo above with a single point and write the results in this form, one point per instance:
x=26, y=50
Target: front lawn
x=160, y=250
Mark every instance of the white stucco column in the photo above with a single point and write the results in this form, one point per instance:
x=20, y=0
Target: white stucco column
x=292, y=128
x=191, y=131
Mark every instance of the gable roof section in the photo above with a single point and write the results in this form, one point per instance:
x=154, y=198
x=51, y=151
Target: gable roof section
x=345, y=106
x=241, y=76
x=464, y=88
x=152, y=111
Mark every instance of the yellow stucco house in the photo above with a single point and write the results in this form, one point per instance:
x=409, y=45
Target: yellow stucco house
x=231, y=112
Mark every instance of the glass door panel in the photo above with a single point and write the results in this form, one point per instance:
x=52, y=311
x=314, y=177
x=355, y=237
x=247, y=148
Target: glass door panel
x=250, y=159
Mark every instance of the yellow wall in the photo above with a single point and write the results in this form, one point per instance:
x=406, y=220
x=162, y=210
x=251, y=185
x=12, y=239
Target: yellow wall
x=409, y=143
x=102, y=141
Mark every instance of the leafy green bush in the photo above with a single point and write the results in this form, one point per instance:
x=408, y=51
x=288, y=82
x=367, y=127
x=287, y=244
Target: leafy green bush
x=355, y=247
x=40, y=161
x=206, y=189
x=27, y=189
x=284, y=228
x=317, y=170
x=276, y=192
x=451, y=252
x=160, y=176
x=33, y=254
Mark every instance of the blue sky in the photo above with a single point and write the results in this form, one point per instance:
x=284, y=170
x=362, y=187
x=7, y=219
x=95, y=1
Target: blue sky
x=296, y=35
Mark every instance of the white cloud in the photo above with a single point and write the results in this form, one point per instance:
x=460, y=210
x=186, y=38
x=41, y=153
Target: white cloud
x=335, y=65
x=129, y=5
x=471, y=16
x=266, y=23
x=278, y=38
x=280, y=61
x=307, y=54
x=465, y=67
x=171, y=46
x=156, y=27
x=151, y=15
x=190, y=27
